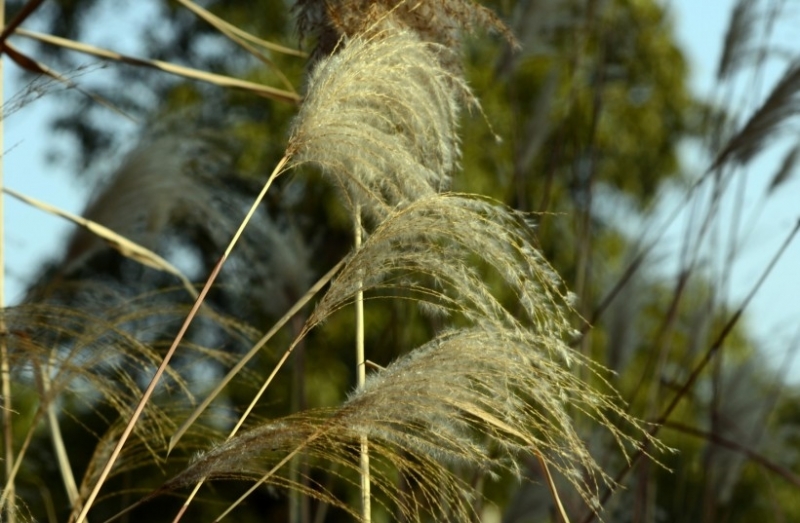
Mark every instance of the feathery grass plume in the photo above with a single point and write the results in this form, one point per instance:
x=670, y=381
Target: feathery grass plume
x=331, y=445
x=782, y=104
x=440, y=237
x=380, y=117
x=737, y=38
x=436, y=21
x=427, y=252
x=474, y=398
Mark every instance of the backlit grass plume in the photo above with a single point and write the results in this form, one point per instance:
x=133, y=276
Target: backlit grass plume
x=444, y=252
x=380, y=118
x=443, y=238
x=471, y=398
x=476, y=396
x=155, y=185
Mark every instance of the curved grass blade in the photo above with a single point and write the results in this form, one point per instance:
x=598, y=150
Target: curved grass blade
x=179, y=70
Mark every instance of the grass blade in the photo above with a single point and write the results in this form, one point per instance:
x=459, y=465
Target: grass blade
x=227, y=29
x=179, y=70
x=124, y=246
x=236, y=34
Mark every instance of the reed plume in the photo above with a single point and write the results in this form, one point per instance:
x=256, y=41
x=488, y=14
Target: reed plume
x=738, y=37
x=782, y=104
x=442, y=237
x=155, y=185
x=380, y=117
x=471, y=398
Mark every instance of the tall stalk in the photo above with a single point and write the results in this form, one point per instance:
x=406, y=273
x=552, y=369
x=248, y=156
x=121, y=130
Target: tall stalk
x=5, y=369
x=361, y=376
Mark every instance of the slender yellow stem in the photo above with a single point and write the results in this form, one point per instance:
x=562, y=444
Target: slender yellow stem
x=252, y=352
x=60, y=448
x=188, y=501
x=366, y=498
x=552, y=486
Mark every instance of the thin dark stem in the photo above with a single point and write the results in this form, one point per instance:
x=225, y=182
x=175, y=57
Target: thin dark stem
x=785, y=473
x=709, y=355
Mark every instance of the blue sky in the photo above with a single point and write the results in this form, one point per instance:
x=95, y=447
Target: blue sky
x=700, y=24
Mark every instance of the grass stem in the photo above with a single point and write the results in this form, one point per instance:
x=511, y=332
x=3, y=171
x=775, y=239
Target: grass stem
x=192, y=313
x=361, y=369
x=5, y=368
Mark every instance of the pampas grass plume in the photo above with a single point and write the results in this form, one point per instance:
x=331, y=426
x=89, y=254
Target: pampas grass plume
x=380, y=118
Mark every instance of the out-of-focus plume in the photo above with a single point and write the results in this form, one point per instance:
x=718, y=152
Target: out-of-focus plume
x=154, y=185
